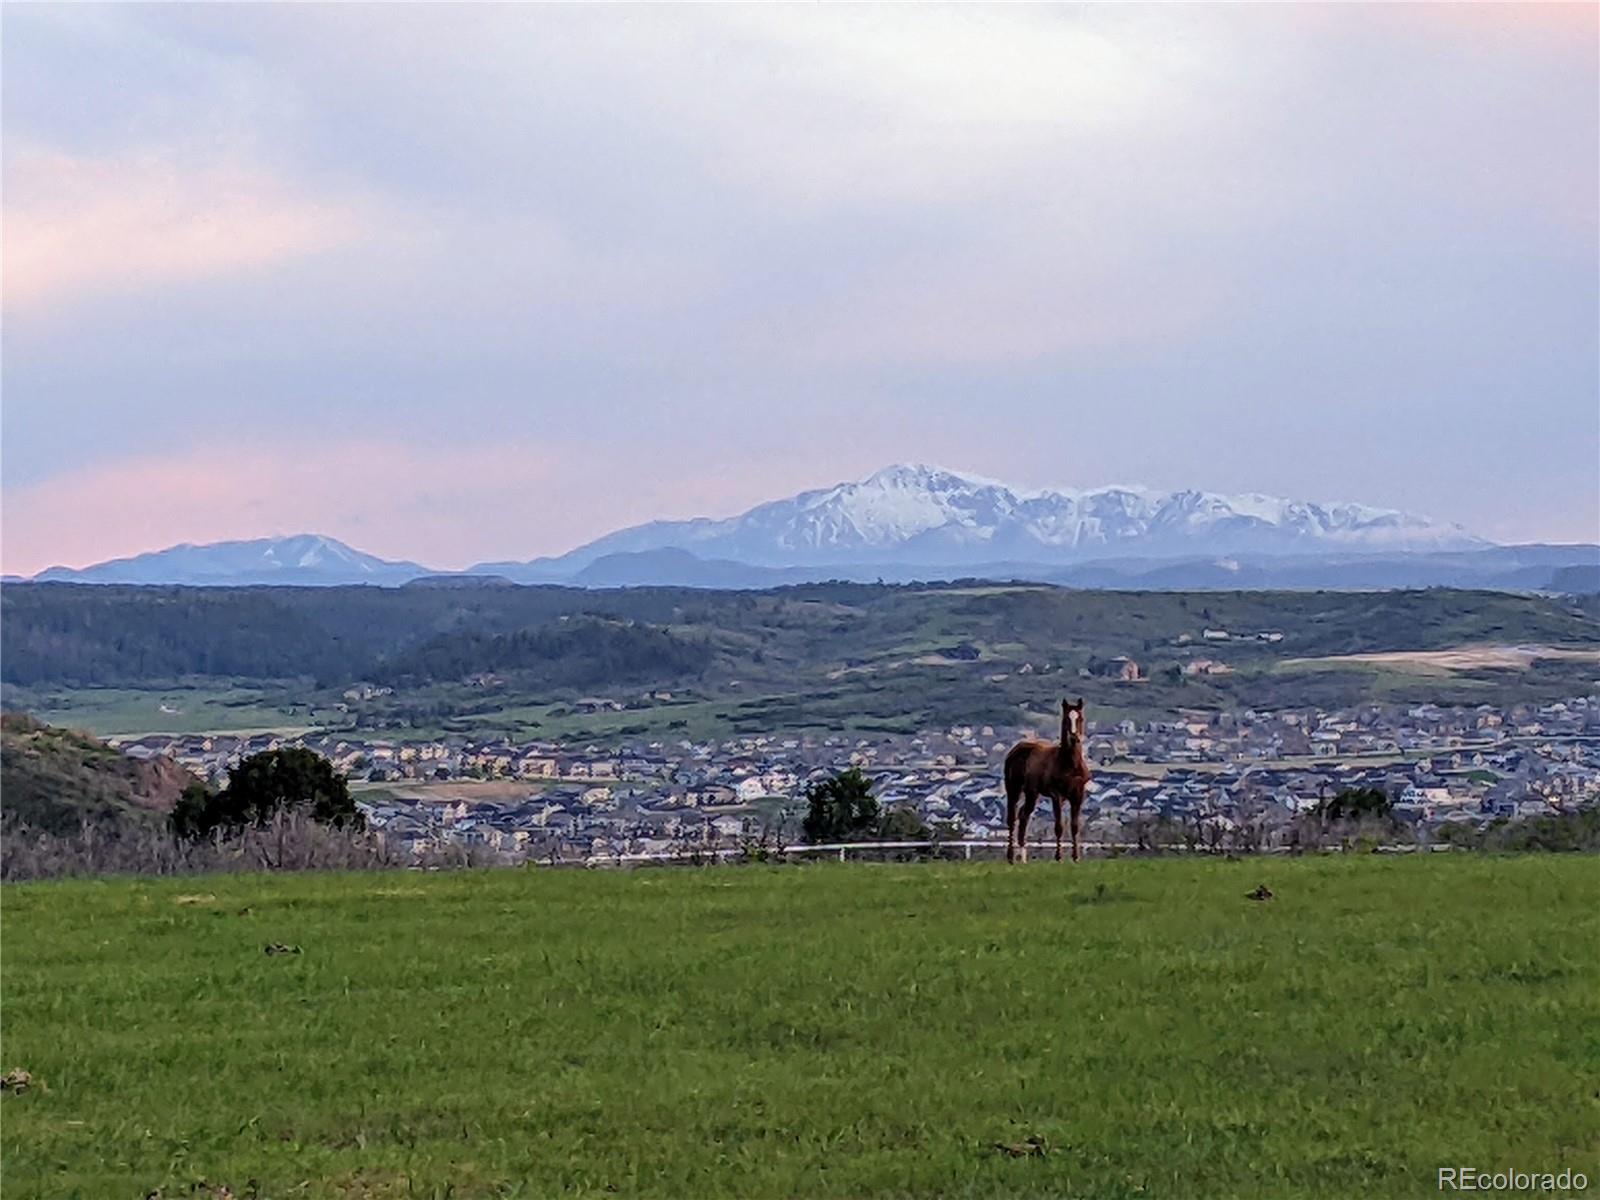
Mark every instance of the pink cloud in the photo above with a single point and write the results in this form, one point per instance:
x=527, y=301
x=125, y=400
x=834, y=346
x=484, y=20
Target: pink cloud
x=1563, y=25
x=447, y=507
x=76, y=225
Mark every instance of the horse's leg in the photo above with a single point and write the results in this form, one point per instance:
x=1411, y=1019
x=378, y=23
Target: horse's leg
x=1077, y=825
x=1055, y=804
x=1029, y=799
x=1011, y=823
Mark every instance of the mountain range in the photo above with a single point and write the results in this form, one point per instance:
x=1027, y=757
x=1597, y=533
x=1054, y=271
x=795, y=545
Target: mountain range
x=913, y=522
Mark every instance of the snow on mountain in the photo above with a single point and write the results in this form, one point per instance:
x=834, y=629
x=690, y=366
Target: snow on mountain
x=308, y=559
x=915, y=513
x=907, y=519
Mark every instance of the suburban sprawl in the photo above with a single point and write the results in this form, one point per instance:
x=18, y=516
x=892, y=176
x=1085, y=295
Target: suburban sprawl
x=1200, y=777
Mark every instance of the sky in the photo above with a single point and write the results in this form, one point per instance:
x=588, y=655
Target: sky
x=464, y=283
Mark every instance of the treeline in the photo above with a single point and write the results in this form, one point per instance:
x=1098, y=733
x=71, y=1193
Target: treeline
x=108, y=636
x=567, y=653
x=86, y=636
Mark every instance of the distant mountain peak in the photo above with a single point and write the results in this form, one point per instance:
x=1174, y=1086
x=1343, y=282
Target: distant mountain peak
x=308, y=559
x=912, y=474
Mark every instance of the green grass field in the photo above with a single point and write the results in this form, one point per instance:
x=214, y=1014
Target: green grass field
x=839, y=1031
x=131, y=712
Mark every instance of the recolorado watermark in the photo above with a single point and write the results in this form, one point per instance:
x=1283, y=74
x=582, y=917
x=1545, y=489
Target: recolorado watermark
x=1470, y=1179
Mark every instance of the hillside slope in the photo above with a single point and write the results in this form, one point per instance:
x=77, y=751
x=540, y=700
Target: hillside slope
x=56, y=779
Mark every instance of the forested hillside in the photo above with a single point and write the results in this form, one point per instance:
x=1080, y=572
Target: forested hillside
x=68, y=634
x=823, y=656
x=570, y=651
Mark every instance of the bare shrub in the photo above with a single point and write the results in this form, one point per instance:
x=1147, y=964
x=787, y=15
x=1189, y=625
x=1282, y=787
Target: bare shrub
x=288, y=842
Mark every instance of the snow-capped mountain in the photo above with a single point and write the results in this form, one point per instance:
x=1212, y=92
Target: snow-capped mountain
x=307, y=559
x=911, y=513
x=912, y=522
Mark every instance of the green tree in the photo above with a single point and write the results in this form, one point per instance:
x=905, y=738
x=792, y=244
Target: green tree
x=191, y=816
x=841, y=809
x=274, y=781
x=1352, y=804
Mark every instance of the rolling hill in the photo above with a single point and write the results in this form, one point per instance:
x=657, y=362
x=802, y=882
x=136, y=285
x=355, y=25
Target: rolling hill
x=57, y=779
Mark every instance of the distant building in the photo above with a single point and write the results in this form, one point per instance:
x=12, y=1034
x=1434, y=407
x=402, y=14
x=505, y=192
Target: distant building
x=1121, y=668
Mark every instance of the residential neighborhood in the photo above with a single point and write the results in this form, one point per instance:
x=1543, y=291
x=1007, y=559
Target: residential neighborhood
x=1239, y=774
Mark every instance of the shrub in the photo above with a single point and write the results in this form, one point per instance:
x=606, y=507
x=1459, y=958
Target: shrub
x=260, y=787
x=841, y=809
x=289, y=841
x=902, y=824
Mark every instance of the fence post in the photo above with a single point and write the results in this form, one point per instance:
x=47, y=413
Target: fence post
x=967, y=850
x=841, y=853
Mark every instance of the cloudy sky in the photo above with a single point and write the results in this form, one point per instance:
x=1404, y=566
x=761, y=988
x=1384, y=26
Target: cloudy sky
x=457, y=283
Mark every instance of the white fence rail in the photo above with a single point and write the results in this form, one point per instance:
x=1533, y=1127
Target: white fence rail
x=842, y=850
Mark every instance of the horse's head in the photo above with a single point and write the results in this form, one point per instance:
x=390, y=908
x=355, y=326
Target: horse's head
x=1072, y=715
x=1071, y=723
x=1072, y=732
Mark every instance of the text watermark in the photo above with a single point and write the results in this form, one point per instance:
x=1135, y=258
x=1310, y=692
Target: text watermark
x=1471, y=1179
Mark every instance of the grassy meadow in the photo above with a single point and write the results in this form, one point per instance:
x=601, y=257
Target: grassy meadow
x=828, y=1030
x=130, y=711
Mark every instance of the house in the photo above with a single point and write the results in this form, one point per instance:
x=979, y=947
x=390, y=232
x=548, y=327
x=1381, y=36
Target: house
x=1121, y=668
x=537, y=766
x=714, y=795
x=542, y=815
x=778, y=782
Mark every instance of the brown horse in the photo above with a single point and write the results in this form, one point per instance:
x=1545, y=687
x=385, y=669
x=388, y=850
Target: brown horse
x=1054, y=769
